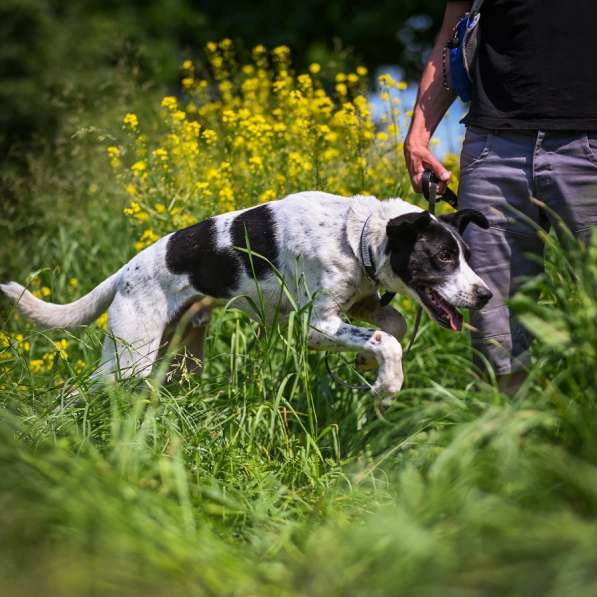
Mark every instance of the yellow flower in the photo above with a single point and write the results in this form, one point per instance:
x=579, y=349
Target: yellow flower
x=43, y=292
x=79, y=366
x=36, y=365
x=61, y=346
x=187, y=65
x=402, y=85
x=139, y=167
x=187, y=82
x=281, y=52
x=4, y=340
x=102, y=321
x=268, y=195
x=255, y=162
x=73, y=283
x=341, y=89
x=113, y=151
x=314, y=68
x=160, y=208
x=23, y=344
x=169, y=102
x=209, y=136
x=48, y=359
x=160, y=153
x=362, y=71
x=340, y=78
x=211, y=46
x=131, y=121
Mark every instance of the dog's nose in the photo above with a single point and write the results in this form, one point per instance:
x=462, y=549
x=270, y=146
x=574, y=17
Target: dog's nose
x=483, y=295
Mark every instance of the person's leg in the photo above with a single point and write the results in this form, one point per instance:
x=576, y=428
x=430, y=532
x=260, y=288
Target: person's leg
x=565, y=172
x=496, y=178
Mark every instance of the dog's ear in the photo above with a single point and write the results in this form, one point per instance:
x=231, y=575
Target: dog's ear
x=460, y=219
x=408, y=225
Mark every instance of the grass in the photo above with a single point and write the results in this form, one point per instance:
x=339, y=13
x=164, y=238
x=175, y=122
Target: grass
x=263, y=477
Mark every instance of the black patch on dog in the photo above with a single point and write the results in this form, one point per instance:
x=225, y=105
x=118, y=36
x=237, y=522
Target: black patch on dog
x=258, y=225
x=355, y=333
x=423, y=252
x=212, y=271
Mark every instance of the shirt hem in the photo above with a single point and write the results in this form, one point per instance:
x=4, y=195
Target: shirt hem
x=520, y=124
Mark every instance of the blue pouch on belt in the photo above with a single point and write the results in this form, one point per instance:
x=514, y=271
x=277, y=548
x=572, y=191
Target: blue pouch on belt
x=460, y=54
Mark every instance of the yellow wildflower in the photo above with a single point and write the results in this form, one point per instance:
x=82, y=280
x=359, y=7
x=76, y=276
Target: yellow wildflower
x=314, y=68
x=160, y=153
x=169, y=102
x=131, y=121
x=139, y=167
x=268, y=195
x=102, y=321
x=209, y=136
x=61, y=346
x=36, y=365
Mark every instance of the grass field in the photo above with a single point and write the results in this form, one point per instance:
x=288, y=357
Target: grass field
x=262, y=476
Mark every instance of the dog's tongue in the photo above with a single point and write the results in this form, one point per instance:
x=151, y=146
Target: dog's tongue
x=455, y=320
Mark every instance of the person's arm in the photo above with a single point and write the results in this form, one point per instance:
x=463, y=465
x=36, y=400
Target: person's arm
x=433, y=100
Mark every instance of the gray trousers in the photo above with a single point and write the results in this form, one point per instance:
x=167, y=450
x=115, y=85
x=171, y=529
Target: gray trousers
x=500, y=172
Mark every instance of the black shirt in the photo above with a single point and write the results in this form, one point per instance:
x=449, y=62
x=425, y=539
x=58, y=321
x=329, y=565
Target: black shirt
x=537, y=66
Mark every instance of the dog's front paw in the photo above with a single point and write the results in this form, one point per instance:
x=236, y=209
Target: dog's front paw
x=387, y=389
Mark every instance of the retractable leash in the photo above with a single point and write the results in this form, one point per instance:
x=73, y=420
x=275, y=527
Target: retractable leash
x=429, y=186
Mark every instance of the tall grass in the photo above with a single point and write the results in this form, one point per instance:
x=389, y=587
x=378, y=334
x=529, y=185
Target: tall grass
x=263, y=476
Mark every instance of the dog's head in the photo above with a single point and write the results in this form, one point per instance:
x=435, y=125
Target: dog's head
x=429, y=257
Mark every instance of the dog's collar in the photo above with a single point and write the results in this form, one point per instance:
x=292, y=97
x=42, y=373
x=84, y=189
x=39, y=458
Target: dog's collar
x=369, y=266
x=366, y=254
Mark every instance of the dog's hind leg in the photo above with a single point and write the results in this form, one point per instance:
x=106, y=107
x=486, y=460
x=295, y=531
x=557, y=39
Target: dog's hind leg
x=133, y=341
x=188, y=355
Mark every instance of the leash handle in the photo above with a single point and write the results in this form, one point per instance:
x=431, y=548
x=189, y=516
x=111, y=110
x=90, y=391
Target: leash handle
x=430, y=187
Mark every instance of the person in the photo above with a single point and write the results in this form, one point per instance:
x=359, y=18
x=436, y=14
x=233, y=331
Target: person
x=531, y=133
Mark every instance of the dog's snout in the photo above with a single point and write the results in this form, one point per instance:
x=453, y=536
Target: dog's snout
x=483, y=295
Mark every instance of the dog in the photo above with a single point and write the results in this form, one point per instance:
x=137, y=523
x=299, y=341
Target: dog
x=311, y=248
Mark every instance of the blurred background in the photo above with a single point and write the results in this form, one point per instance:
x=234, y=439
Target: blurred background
x=59, y=56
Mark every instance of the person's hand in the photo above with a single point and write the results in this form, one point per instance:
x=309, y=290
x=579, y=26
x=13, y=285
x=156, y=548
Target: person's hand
x=418, y=159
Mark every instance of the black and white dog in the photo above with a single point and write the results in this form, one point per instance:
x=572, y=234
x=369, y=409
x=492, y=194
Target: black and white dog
x=331, y=250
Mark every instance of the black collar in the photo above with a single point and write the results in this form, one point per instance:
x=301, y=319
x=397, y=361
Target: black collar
x=366, y=254
x=369, y=266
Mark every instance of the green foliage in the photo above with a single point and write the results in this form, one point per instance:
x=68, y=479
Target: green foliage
x=56, y=55
x=263, y=476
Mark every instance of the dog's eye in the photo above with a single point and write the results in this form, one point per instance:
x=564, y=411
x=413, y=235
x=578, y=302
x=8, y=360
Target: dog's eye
x=445, y=256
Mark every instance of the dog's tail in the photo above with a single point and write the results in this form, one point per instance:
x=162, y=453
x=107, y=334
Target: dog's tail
x=49, y=315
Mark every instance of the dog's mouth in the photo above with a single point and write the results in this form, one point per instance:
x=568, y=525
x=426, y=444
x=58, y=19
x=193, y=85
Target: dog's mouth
x=441, y=310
